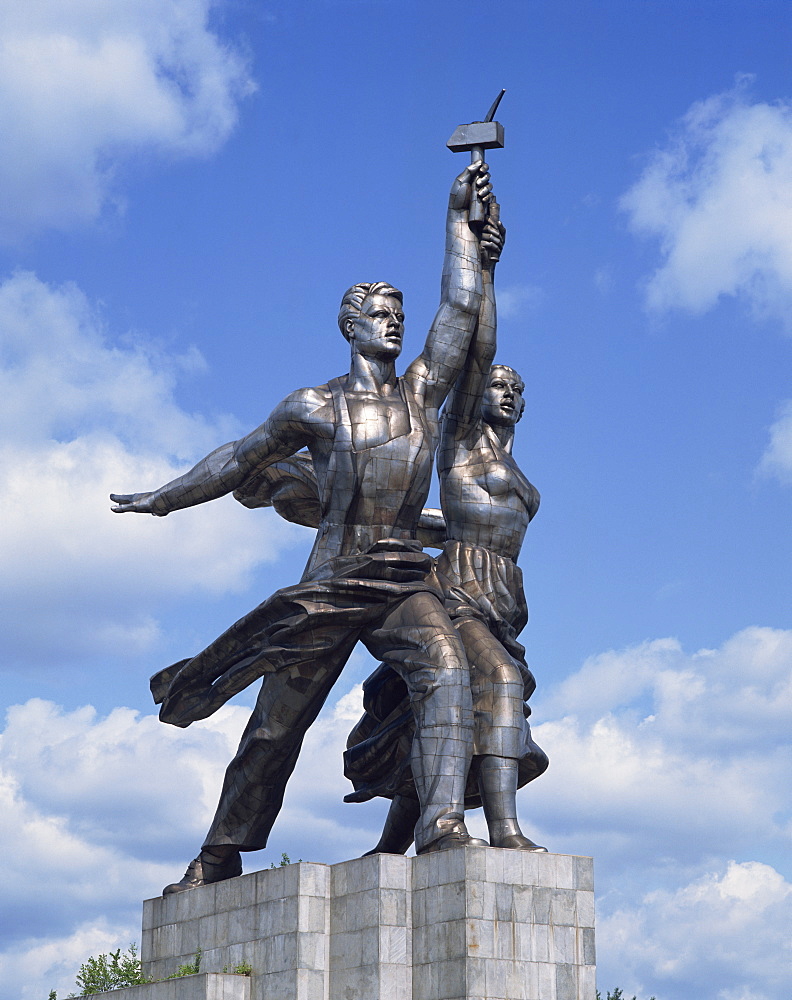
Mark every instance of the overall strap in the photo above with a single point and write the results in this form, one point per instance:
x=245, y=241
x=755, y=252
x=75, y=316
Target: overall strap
x=342, y=464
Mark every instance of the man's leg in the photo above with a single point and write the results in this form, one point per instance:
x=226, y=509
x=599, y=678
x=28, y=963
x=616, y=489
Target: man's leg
x=255, y=780
x=419, y=641
x=399, y=830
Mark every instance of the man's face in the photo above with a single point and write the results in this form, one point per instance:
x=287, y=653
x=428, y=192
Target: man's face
x=377, y=332
x=503, y=400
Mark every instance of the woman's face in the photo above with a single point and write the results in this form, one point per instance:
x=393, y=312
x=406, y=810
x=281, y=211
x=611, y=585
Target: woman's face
x=503, y=401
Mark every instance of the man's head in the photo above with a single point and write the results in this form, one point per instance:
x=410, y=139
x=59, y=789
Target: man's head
x=503, y=402
x=372, y=320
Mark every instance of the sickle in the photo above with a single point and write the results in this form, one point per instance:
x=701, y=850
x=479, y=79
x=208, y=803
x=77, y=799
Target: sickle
x=494, y=108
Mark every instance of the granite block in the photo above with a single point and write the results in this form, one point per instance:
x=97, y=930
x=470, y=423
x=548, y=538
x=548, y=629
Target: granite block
x=566, y=982
x=493, y=866
x=356, y=984
x=311, y=985
x=584, y=868
x=588, y=953
x=163, y=941
x=522, y=897
x=186, y=937
x=393, y=907
x=540, y=942
x=450, y=979
x=563, y=944
x=504, y=902
x=529, y=867
x=395, y=872
x=314, y=879
x=270, y=884
x=546, y=981
x=346, y=950
x=524, y=943
x=393, y=945
x=480, y=938
x=563, y=907
x=147, y=941
x=542, y=898
x=313, y=915
x=232, y=894
x=476, y=976
x=506, y=944
x=585, y=908
x=587, y=983
x=512, y=866
x=395, y=982
x=566, y=871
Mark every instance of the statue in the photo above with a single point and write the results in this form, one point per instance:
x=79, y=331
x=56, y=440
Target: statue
x=371, y=437
x=487, y=504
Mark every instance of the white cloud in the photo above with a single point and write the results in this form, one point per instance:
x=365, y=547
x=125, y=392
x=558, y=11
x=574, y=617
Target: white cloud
x=692, y=749
x=80, y=418
x=134, y=810
x=724, y=936
x=85, y=85
x=777, y=459
x=97, y=814
x=35, y=966
x=665, y=765
x=718, y=197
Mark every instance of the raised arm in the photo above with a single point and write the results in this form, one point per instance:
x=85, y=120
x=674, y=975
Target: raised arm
x=446, y=348
x=283, y=433
x=463, y=406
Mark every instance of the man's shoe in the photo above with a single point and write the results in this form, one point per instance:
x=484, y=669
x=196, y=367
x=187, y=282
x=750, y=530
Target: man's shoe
x=203, y=871
x=453, y=840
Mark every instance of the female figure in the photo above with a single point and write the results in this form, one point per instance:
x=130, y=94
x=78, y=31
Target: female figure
x=487, y=504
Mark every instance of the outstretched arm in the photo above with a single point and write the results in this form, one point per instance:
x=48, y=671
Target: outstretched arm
x=283, y=433
x=444, y=353
x=463, y=406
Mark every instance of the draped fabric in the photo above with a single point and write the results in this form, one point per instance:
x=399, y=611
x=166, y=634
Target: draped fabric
x=352, y=591
x=475, y=583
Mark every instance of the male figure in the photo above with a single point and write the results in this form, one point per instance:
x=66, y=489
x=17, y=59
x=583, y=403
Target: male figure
x=371, y=437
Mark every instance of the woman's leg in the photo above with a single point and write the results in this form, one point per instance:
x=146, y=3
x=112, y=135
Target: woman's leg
x=497, y=779
x=498, y=689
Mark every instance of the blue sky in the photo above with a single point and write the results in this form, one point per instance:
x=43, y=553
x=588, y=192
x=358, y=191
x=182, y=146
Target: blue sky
x=186, y=190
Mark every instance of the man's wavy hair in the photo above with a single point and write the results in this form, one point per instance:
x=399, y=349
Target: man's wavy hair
x=352, y=302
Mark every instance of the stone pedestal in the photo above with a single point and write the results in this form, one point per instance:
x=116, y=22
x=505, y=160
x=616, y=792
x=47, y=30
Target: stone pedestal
x=466, y=924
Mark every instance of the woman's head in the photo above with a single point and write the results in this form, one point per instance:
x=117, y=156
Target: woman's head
x=503, y=402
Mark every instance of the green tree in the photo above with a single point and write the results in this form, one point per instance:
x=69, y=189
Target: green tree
x=617, y=994
x=284, y=862
x=110, y=972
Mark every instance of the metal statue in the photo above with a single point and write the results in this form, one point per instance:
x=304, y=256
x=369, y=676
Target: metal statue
x=371, y=436
x=487, y=504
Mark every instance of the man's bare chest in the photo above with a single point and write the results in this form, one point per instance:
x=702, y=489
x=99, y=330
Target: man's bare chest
x=376, y=420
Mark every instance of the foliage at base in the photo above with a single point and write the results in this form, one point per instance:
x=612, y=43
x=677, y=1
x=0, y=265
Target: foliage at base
x=109, y=972
x=115, y=971
x=617, y=994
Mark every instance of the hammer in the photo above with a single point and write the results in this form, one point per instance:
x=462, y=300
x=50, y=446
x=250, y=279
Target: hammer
x=477, y=137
